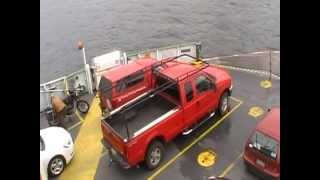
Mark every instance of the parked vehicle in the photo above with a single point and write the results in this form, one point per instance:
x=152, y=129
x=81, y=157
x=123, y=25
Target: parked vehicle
x=56, y=150
x=123, y=83
x=181, y=96
x=262, y=149
x=71, y=102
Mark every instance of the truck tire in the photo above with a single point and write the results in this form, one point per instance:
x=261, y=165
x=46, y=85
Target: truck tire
x=224, y=104
x=154, y=155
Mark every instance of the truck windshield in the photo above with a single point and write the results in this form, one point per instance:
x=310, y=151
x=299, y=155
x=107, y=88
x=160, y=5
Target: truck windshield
x=264, y=144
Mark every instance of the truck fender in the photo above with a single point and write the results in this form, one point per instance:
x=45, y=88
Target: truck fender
x=161, y=138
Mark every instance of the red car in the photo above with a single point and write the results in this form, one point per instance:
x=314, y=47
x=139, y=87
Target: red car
x=123, y=83
x=183, y=97
x=262, y=150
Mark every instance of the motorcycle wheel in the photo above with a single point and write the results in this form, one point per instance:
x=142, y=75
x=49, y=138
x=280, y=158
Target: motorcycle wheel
x=82, y=106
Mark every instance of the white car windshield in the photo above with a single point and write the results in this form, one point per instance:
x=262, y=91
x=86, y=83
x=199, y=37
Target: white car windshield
x=41, y=144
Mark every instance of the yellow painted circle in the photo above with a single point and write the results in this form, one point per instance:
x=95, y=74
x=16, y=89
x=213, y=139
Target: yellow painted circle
x=207, y=158
x=266, y=84
x=256, y=111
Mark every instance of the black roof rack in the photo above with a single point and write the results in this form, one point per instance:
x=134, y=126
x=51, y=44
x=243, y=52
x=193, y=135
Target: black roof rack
x=164, y=86
x=164, y=61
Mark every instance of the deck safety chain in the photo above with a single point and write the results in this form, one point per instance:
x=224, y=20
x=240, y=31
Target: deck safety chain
x=248, y=70
x=253, y=71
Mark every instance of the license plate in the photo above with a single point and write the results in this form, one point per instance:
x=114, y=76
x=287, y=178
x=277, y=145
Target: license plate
x=260, y=163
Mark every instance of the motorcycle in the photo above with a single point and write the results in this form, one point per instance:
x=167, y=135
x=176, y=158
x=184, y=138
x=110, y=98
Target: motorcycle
x=72, y=103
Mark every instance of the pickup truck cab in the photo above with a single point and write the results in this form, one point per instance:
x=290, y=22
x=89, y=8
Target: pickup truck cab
x=262, y=149
x=181, y=96
x=123, y=83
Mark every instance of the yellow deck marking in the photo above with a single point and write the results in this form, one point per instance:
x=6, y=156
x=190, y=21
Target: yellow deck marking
x=162, y=168
x=105, y=153
x=207, y=158
x=228, y=169
x=255, y=111
x=266, y=84
x=87, y=147
x=78, y=123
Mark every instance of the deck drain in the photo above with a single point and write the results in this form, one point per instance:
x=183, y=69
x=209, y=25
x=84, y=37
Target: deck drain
x=266, y=84
x=256, y=111
x=207, y=158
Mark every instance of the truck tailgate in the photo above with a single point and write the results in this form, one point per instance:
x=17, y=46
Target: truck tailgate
x=112, y=138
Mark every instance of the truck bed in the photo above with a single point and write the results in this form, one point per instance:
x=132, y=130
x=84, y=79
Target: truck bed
x=140, y=115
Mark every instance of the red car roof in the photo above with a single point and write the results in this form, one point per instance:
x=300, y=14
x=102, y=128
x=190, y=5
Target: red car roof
x=122, y=71
x=270, y=125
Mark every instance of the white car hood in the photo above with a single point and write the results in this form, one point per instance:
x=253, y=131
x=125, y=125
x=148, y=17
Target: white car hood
x=55, y=137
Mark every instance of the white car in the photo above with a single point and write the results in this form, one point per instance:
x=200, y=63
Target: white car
x=56, y=150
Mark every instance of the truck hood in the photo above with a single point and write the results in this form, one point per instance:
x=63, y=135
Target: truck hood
x=219, y=73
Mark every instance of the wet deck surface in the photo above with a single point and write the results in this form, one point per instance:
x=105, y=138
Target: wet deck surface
x=225, y=136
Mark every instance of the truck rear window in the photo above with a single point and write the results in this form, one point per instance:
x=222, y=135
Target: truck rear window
x=105, y=87
x=130, y=81
x=173, y=91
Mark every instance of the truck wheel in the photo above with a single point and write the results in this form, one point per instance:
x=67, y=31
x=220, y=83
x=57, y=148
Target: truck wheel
x=154, y=155
x=224, y=104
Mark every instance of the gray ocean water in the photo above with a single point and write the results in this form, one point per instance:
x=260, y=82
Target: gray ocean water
x=224, y=27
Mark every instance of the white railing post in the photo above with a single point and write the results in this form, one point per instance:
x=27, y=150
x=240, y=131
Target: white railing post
x=86, y=68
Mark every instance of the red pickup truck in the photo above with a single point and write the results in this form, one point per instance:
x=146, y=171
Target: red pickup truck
x=183, y=94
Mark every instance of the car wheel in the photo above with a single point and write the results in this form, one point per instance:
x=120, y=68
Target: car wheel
x=154, y=155
x=56, y=166
x=224, y=104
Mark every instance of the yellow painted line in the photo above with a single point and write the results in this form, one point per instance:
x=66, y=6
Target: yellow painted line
x=229, y=167
x=78, y=115
x=162, y=168
x=235, y=99
x=78, y=123
x=105, y=153
x=87, y=147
